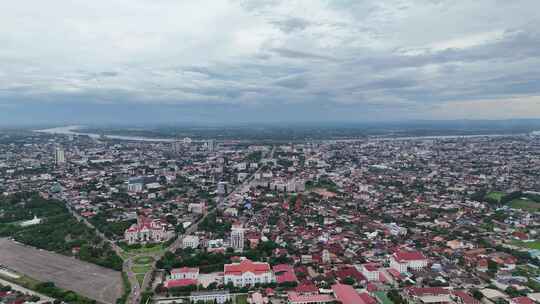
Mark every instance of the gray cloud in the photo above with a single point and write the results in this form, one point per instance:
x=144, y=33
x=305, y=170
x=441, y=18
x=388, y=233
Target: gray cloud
x=347, y=57
x=293, y=82
x=288, y=53
x=290, y=25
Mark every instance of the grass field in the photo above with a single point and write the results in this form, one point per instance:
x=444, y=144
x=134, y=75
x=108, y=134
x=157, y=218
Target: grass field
x=144, y=260
x=140, y=278
x=525, y=204
x=143, y=250
x=531, y=245
x=23, y=280
x=141, y=268
x=495, y=195
x=241, y=299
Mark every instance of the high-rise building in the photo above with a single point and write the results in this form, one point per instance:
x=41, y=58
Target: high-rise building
x=237, y=237
x=59, y=156
x=210, y=145
x=222, y=188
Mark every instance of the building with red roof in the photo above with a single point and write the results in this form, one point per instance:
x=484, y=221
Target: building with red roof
x=346, y=294
x=370, y=271
x=404, y=260
x=465, y=298
x=248, y=273
x=296, y=298
x=145, y=231
x=350, y=271
x=367, y=299
x=180, y=283
x=184, y=273
x=429, y=294
x=521, y=300
x=284, y=273
x=182, y=277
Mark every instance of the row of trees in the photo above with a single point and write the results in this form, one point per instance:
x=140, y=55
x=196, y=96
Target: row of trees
x=58, y=231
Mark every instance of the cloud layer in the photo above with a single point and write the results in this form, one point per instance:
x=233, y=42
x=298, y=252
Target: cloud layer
x=271, y=59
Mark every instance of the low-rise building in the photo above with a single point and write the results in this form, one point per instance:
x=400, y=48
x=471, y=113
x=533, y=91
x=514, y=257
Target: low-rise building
x=248, y=273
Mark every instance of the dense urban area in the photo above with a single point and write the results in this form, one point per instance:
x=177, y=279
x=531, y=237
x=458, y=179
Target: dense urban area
x=419, y=220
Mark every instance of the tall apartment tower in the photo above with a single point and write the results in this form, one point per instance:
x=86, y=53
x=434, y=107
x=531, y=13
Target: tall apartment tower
x=210, y=145
x=59, y=156
x=237, y=237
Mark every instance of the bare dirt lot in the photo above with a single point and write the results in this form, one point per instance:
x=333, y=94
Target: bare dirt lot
x=98, y=283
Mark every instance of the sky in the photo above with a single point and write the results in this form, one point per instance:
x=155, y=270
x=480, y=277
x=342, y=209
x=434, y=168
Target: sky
x=106, y=61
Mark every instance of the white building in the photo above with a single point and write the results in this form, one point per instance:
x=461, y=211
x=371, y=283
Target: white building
x=210, y=145
x=370, y=271
x=145, y=231
x=59, y=156
x=190, y=241
x=402, y=261
x=220, y=296
x=184, y=273
x=396, y=230
x=135, y=184
x=197, y=208
x=247, y=273
x=237, y=237
x=31, y=222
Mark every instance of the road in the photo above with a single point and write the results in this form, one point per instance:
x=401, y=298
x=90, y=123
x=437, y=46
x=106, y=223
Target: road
x=134, y=295
x=43, y=298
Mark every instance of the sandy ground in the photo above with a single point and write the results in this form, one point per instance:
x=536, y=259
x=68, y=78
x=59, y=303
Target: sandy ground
x=102, y=284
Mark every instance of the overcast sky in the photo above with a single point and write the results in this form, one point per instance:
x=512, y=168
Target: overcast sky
x=268, y=60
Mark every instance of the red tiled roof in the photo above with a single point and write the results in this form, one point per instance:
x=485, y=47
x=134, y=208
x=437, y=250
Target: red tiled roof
x=299, y=298
x=246, y=266
x=352, y=272
x=465, y=297
x=372, y=287
x=184, y=270
x=346, y=294
x=382, y=278
x=282, y=267
x=396, y=274
x=367, y=298
x=371, y=267
x=401, y=255
x=180, y=283
x=521, y=300
x=284, y=273
x=306, y=288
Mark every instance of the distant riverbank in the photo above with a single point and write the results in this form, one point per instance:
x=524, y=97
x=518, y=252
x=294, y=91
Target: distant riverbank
x=74, y=131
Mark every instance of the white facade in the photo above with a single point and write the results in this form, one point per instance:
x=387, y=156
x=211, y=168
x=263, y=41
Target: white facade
x=59, y=156
x=145, y=231
x=219, y=296
x=248, y=273
x=190, y=241
x=184, y=273
x=237, y=238
x=404, y=261
x=371, y=272
x=135, y=188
